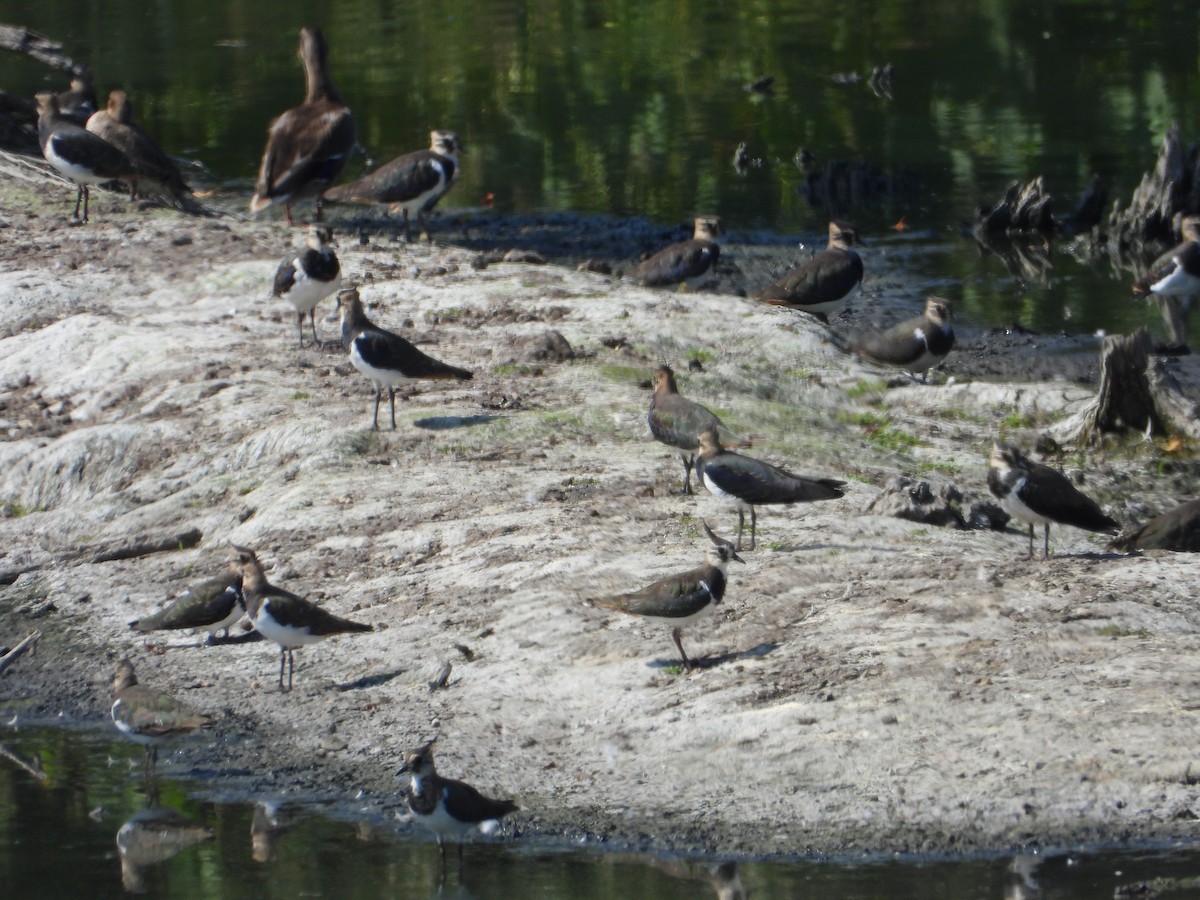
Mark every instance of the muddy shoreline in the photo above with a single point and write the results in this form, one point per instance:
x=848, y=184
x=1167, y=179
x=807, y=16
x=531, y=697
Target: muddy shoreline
x=871, y=685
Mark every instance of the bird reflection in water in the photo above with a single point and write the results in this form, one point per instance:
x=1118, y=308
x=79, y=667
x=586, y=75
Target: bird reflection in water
x=152, y=836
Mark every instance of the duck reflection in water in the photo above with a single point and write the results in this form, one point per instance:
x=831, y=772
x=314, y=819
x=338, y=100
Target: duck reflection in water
x=151, y=836
x=724, y=878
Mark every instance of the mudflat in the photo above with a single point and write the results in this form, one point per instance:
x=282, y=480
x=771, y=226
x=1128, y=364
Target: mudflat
x=868, y=683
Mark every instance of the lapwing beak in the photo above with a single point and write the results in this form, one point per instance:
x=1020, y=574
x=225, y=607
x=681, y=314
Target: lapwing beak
x=738, y=558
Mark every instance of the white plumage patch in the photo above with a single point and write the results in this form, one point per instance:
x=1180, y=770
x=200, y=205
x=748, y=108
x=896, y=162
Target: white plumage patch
x=70, y=170
x=1177, y=282
x=307, y=291
x=1012, y=505
x=379, y=376
x=282, y=635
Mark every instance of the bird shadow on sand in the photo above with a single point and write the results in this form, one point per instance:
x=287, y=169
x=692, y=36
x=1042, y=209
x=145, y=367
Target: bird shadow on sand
x=710, y=662
x=369, y=681
x=247, y=637
x=445, y=423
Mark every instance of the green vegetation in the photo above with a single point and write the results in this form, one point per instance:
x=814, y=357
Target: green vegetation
x=626, y=374
x=879, y=431
x=872, y=387
x=1116, y=631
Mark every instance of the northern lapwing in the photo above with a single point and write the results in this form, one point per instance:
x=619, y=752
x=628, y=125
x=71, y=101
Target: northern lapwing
x=150, y=717
x=212, y=605
x=679, y=600
x=309, y=145
x=76, y=153
x=307, y=279
x=823, y=284
x=916, y=345
x=677, y=422
x=386, y=358
x=151, y=166
x=1038, y=495
x=1173, y=280
x=687, y=259
x=450, y=809
x=285, y=618
x=411, y=184
x=747, y=482
x=1177, y=529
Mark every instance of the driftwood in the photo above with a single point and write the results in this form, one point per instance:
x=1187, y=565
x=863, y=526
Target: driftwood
x=1137, y=392
x=20, y=650
x=143, y=545
x=20, y=39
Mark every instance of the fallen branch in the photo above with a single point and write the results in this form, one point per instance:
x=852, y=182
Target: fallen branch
x=20, y=39
x=33, y=767
x=144, y=546
x=20, y=650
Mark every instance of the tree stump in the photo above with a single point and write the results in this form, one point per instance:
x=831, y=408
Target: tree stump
x=1137, y=393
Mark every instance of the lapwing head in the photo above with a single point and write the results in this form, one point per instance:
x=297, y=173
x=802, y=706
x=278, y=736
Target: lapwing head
x=722, y=552
x=349, y=304
x=937, y=310
x=843, y=234
x=446, y=143
x=1005, y=457
x=707, y=228
x=119, y=107
x=246, y=561
x=124, y=677
x=418, y=762
x=710, y=441
x=318, y=236
x=664, y=380
x=47, y=103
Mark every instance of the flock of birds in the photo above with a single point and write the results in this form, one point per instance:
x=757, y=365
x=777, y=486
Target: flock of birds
x=307, y=148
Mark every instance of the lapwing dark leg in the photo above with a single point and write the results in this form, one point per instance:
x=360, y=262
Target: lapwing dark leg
x=282, y=661
x=741, y=525
x=392, y=401
x=753, y=528
x=1031, y=540
x=687, y=663
x=291, y=668
x=407, y=228
x=1045, y=544
x=375, y=418
x=688, y=461
x=82, y=197
x=312, y=322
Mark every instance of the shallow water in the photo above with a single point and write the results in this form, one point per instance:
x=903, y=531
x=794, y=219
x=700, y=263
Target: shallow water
x=636, y=109
x=75, y=821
